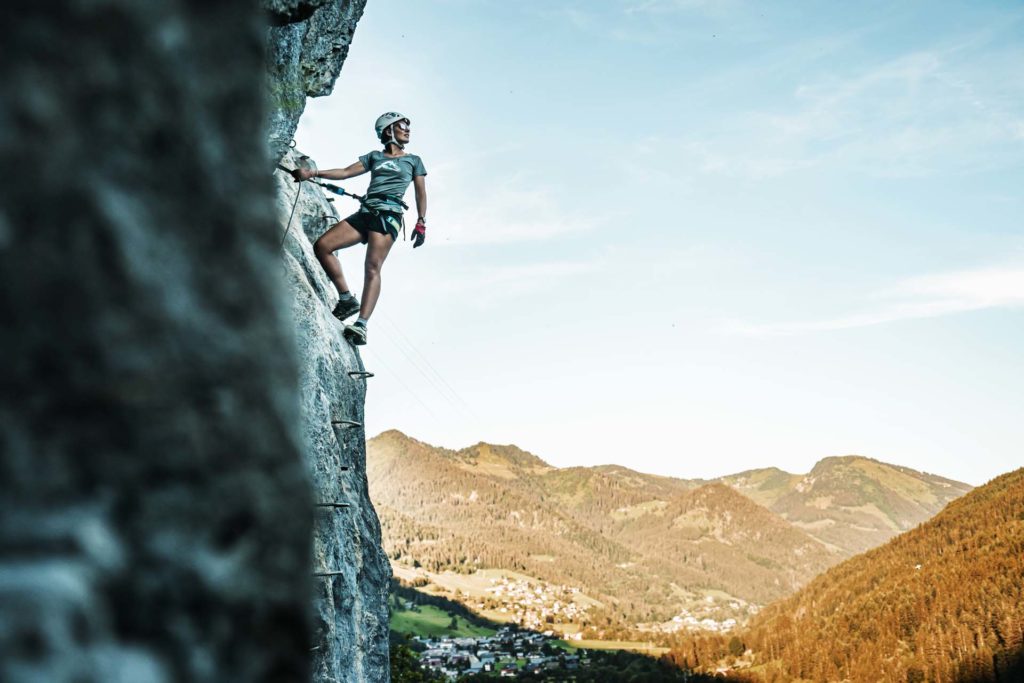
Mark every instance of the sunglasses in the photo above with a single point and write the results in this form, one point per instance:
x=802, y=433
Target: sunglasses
x=402, y=125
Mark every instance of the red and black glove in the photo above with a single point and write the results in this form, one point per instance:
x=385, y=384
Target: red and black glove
x=419, y=233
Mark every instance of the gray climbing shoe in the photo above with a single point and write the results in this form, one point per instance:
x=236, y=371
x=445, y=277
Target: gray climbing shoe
x=347, y=305
x=356, y=333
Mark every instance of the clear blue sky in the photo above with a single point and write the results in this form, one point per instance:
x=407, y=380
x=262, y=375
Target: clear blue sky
x=699, y=237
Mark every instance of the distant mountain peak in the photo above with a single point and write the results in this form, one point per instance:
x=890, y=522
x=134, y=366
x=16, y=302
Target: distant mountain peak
x=510, y=453
x=395, y=435
x=850, y=502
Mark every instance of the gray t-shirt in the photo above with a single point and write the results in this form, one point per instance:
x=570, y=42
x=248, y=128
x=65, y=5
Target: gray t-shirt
x=390, y=175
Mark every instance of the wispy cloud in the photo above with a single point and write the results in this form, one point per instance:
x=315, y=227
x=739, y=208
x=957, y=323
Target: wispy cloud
x=926, y=296
x=930, y=111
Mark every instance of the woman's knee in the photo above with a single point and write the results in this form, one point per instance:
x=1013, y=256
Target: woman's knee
x=373, y=267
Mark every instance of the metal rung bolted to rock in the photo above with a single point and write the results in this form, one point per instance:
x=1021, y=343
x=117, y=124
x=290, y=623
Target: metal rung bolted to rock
x=333, y=505
x=328, y=573
x=347, y=423
x=359, y=374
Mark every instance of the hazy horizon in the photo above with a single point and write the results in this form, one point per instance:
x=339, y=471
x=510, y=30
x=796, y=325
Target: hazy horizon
x=552, y=461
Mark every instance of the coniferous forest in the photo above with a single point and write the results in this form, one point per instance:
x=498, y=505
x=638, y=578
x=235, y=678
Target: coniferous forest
x=943, y=602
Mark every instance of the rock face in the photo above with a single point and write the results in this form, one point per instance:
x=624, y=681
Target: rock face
x=156, y=508
x=352, y=632
x=307, y=46
x=165, y=423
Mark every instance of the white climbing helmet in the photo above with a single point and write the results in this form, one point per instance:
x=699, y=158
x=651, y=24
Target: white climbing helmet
x=385, y=120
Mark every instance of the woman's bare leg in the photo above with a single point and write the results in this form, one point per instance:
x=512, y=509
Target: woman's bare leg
x=377, y=249
x=340, y=236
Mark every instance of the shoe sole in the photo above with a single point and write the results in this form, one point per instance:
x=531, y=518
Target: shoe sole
x=345, y=314
x=354, y=338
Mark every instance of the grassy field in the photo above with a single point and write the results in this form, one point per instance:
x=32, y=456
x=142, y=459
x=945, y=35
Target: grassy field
x=471, y=585
x=632, y=646
x=432, y=622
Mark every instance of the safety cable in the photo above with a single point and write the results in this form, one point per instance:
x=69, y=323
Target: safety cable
x=427, y=362
x=398, y=378
x=432, y=382
x=288, y=225
x=298, y=195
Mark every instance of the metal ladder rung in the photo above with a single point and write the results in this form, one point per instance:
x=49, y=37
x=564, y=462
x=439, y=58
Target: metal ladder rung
x=361, y=374
x=347, y=423
x=333, y=505
x=328, y=573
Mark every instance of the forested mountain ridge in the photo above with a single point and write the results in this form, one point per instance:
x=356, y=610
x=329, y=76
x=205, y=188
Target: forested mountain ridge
x=643, y=545
x=646, y=546
x=751, y=552
x=942, y=602
x=440, y=515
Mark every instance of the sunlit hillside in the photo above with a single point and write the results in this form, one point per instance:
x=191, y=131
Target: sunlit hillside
x=943, y=602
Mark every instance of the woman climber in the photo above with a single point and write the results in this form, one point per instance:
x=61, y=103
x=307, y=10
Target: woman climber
x=378, y=220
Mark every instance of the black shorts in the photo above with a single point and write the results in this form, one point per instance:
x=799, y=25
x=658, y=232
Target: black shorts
x=384, y=222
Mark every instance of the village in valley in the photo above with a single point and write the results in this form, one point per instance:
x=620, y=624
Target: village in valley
x=534, y=604
x=507, y=653
x=507, y=625
x=709, y=614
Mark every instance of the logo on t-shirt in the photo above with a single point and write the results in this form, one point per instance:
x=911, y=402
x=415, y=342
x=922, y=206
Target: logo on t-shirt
x=389, y=166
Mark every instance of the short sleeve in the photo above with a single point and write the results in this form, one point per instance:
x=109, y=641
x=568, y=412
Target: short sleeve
x=367, y=160
x=419, y=170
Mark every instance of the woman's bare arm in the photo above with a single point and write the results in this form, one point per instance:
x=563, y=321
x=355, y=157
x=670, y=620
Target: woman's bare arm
x=420, y=184
x=331, y=173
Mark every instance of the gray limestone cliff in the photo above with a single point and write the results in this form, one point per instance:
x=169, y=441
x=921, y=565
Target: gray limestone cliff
x=352, y=630
x=170, y=376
